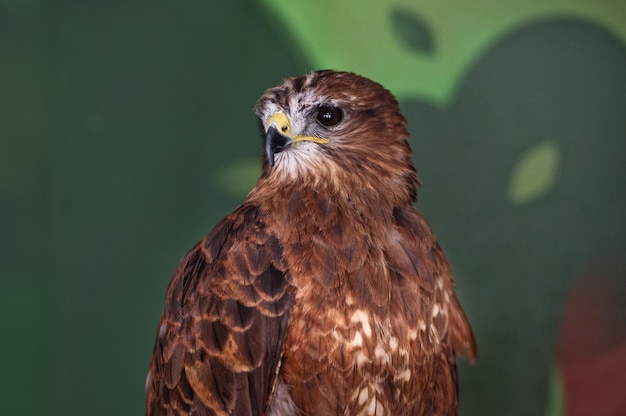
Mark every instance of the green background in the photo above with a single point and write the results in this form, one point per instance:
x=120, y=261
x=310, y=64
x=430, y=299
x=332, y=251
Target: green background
x=127, y=132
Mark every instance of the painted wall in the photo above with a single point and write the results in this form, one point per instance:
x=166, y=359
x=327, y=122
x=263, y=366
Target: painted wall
x=126, y=133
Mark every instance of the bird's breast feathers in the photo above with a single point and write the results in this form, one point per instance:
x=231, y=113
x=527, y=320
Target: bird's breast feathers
x=350, y=348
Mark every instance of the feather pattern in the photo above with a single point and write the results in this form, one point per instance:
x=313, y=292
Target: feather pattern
x=326, y=292
x=221, y=334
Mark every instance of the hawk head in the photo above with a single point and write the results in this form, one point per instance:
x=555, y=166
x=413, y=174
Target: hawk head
x=331, y=129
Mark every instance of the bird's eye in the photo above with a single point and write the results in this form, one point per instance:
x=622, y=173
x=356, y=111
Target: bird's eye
x=329, y=116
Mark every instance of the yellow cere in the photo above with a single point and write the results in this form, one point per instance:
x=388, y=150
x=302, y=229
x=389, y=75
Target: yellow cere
x=283, y=125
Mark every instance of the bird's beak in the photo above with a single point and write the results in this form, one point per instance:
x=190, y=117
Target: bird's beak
x=275, y=143
x=278, y=136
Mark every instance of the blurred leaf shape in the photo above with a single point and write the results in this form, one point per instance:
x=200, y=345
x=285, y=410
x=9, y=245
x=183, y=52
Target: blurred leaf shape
x=238, y=178
x=412, y=31
x=355, y=35
x=555, y=393
x=535, y=172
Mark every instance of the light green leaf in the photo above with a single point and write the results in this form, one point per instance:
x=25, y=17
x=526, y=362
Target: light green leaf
x=535, y=173
x=238, y=178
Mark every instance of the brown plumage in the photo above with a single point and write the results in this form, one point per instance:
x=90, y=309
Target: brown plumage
x=325, y=292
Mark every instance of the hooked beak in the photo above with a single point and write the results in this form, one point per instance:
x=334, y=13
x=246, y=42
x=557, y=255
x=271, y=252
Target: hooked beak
x=275, y=142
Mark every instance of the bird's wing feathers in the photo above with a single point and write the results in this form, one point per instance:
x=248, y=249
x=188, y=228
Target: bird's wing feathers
x=420, y=267
x=418, y=254
x=221, y=335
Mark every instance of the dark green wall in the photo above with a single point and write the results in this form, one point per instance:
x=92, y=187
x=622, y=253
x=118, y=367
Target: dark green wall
x=127, y=132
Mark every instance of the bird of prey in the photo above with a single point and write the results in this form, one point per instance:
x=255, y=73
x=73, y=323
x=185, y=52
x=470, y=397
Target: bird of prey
x=325, y=292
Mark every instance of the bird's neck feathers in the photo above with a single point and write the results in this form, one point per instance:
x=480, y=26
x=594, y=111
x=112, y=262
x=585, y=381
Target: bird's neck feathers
x=365, y=195
x=384, y=177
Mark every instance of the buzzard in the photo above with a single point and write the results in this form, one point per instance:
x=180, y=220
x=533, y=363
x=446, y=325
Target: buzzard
x=325, y=292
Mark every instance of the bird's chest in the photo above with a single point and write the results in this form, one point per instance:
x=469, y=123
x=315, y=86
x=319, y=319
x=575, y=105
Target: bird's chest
x=346, y=358
x=353, y=337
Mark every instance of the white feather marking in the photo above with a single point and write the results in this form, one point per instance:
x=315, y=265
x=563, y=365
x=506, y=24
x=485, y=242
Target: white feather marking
x=434, y=334
x=361, y=359
x=349, y=300
x=421, y=325
x=375, y=408
x=381, y=354
x=357, y=341
x=404, y=376
x=360, y=316
x=393, y=343
x=363, y=396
